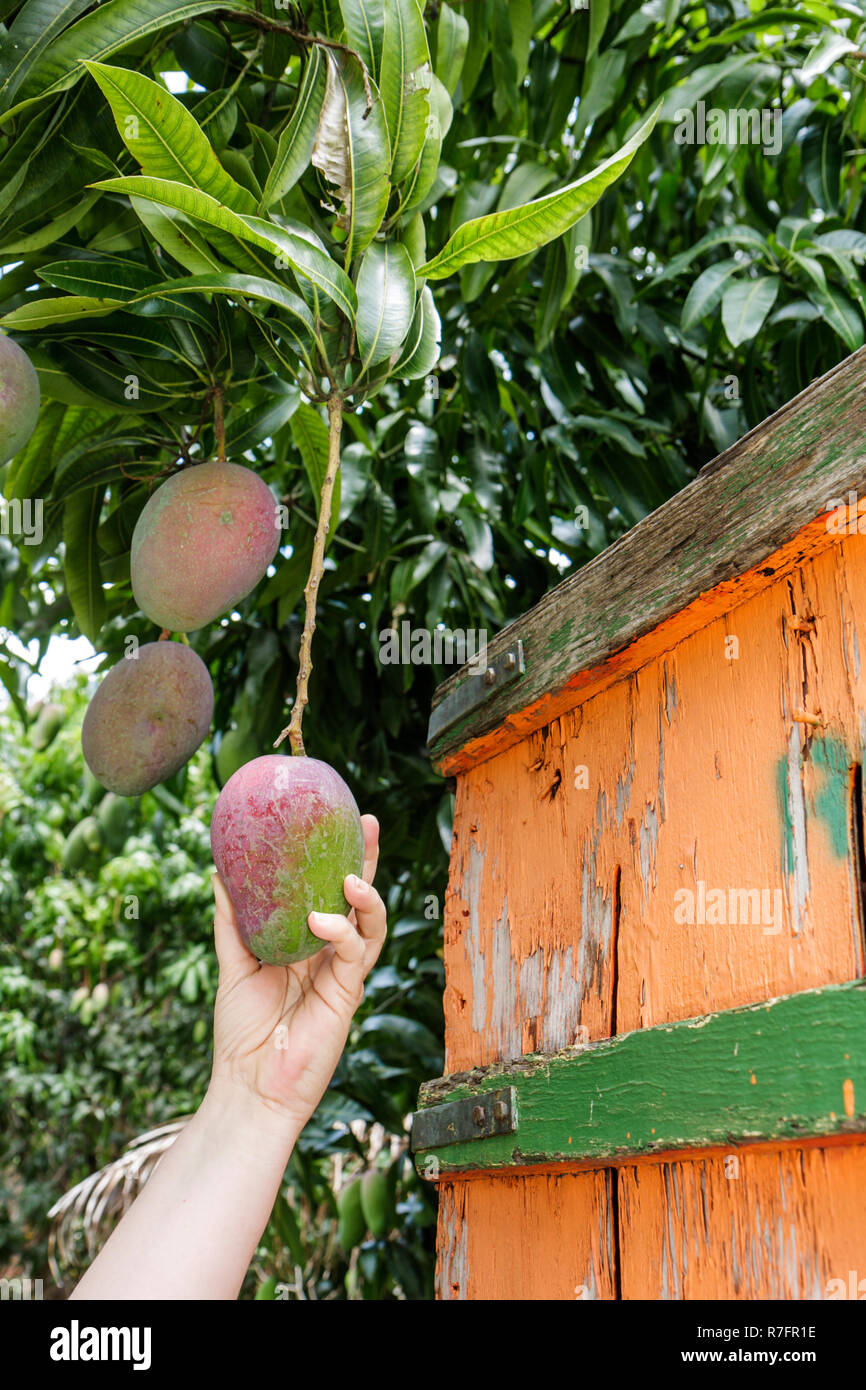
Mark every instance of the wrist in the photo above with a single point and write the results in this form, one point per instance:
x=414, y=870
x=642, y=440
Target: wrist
x=232, y=1107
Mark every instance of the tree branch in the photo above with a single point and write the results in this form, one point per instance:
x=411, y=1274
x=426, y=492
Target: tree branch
x=292, y=731
x=276, y=27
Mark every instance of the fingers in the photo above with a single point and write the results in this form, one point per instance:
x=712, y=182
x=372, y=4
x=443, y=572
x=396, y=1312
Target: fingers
x=369, y=910
x=371, y=847
x=355, y=947
x=235, y=960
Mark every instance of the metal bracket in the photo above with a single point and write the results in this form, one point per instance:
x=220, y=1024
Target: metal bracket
x=476, y=688
x=477, y=1117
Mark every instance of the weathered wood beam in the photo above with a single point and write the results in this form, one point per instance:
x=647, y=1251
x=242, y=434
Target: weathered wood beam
x=791, y=1068
x=673, y=572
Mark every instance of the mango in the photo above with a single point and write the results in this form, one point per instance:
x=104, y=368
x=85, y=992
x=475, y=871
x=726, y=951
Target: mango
x=113, y=814
x=351, y=1226
x=47, y=726
x=83, y=842
x=147, y=718
x=19, y=399
x=201, y=544
x=285, y=832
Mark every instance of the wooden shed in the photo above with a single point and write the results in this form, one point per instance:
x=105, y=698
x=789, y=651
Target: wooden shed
x=654, y=930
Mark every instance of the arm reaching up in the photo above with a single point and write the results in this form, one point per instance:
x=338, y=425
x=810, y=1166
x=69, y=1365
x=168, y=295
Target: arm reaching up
x=279, y=1032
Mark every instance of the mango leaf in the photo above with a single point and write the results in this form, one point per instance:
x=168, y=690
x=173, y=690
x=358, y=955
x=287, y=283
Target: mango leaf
x=164, y=138
x=38, y=313
x=310, y=434
x=364, y=21
x=706, y=293
x=51, y=231
x=262, y=422
x=178, y=237
x=81, y=560
x=353, y=153
x=404, y=84
x=296, y=141
x=425, y=336
x=386, y=300
x=239, y=287
x=745, y=305
x=501, y=236
x=452, y=37
x=417, y=187
x=822, y=165
x=116, y=279
x=302, y=256
x=36, y=25
x=106, y=30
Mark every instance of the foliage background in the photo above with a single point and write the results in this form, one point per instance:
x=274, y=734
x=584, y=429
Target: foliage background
x=719, y=281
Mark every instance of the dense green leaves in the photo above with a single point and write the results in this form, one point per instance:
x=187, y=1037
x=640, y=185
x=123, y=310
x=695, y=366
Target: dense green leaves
x=503, y=235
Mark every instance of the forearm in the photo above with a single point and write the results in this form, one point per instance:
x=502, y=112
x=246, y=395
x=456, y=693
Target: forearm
x=193, y=1230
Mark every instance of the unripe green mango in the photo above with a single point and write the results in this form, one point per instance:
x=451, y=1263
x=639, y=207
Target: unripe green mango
x=236, y=748
x=114, y=814
x=83, y=842
x=351, y=1226
x=19, y=399
x=47, y=726
x=376, y=1203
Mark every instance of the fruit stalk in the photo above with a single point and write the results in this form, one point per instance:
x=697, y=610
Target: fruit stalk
x=292, y=731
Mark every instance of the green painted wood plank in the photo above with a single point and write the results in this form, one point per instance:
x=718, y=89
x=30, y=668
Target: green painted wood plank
x=740, y=508
x=791, y=1068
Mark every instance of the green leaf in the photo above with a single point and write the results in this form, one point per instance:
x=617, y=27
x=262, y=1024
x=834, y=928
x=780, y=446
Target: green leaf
x=746, y=304
x=164, y=138
x=81, y=560
x=838, y=311
x=705, y=294
x=452, y=38
x=36, y=25
x=51, y=231
x=404, y=84
x=262, y=422
x=302, y=256
x=353, y=153
x=297, y=140
x=827, y=51
x=720, y=236
x=106, y=30
x=178, y=237
x=114, y=279
x=599, y=14
x=386, y=300
x=503, y=235
x=423, y=341
x=423, y=177
x=38, y=313
x=365, y=22
x=822, y=165
x=240, y=287
x=310, y=434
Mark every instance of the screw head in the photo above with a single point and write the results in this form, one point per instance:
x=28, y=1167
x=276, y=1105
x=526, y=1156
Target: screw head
x=500, y=1110
x=510, y=661
x=478, y=1115
x=489, y=676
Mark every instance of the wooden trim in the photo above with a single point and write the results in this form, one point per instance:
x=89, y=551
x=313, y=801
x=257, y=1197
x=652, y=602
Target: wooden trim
x=754, y=512
x=789, y=1069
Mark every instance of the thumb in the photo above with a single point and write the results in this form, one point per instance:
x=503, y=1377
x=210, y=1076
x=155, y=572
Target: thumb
x=235, y=961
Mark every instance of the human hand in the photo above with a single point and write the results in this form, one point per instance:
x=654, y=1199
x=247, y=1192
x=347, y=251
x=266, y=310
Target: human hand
x=279, y=1030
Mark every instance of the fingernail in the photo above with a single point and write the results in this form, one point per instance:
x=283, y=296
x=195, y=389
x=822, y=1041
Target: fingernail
x=355, y=881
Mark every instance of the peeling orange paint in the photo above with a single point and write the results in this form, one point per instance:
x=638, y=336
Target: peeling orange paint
x=707, y=791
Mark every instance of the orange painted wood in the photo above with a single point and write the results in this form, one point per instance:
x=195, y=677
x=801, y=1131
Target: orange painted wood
x=724, y=754
x=696, y=771
x=787, y=1225
x=526, y=1238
